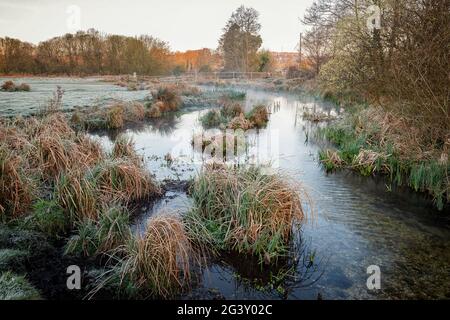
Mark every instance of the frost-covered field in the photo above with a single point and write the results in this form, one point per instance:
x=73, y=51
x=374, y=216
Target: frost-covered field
x=77, y=92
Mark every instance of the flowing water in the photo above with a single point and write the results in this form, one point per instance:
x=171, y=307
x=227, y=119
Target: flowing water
x=358, y=222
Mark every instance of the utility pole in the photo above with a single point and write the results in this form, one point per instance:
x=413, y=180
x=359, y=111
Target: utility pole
x=300, y=52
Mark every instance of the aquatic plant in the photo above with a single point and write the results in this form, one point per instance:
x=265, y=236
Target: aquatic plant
x=124, y=147
x=244, y=210
x=331, y=160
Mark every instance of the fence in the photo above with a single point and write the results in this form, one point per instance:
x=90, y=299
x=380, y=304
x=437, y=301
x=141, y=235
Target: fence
x=202, y=76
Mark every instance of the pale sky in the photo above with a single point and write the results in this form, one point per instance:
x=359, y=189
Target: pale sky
x=184, y=24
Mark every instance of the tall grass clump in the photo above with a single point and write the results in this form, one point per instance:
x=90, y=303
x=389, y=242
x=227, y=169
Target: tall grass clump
x=78, y=195
x=123, y=179
x=246, y=211
x=10, y=86
x=124, y=147
x=110, y=231
x=155, y=264
x=17, y=187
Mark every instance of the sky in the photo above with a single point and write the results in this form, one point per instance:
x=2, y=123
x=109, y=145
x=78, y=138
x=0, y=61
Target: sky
x=184, y=24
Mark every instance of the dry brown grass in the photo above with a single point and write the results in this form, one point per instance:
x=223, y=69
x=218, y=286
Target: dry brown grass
x=115, y=117
x=155, y=110
x=17, y=189
x=159, y=262
x=240, y=122
x=169, y=97
x=78, y=195
x=409, y=141
x=125, y=180
x=259, y=116
x=124, y=147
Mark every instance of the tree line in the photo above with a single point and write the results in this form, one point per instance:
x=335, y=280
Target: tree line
x=86, y=53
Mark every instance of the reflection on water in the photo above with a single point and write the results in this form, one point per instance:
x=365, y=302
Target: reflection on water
x=358, y=222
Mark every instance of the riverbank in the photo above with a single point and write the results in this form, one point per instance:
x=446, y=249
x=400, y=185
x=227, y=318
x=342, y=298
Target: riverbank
x=372, y=141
